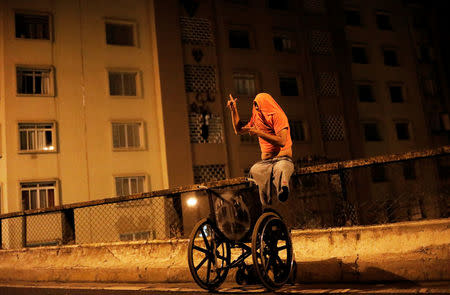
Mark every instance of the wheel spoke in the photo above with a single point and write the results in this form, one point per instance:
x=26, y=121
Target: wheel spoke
x=201, y=263
x=200, y=249
x=205, y=239
x=282, y=248
x=267, y=266
x=208, y=271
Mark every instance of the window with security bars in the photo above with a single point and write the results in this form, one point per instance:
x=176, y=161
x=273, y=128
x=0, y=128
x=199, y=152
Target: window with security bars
x=298, y=130
x=205, y=129
x=37, y=137
x=127, y=135
x=314, y=6
x=120, y=33
x=207, y=173
x=244, y=83
x=129, y=185
x=332, y=128
x=327, y=84
x=32, y=26
x=34, y=81
x=122, y=83
x=38, y=195
x=196, y=31
x=321, y=42
x=200, y=78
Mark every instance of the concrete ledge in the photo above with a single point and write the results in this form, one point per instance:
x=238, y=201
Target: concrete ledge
x=416, y=251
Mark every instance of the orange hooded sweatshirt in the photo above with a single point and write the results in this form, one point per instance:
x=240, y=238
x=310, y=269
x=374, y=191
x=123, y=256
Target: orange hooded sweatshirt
x=270, y=119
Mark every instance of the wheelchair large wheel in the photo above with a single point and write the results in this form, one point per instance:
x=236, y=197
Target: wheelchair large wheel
x=209, y=255
x=272, y=251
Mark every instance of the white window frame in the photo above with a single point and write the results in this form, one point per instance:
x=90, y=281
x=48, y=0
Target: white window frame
x=38, y=139
x=38, y=186
x=127, y=147
x=49, y=84
x=131, y=23
x=245, y=78
x=138, y=84
x=31, y=12
x=130, y=177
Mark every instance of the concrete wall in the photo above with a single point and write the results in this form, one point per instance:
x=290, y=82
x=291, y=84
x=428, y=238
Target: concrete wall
x=404, y=251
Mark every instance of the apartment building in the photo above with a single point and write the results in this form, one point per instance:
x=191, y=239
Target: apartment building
x=101, y=98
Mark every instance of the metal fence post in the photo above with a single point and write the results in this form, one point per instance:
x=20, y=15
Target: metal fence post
x=24, y=231
x=68, y=226
x=1, y=233
x=343, y=184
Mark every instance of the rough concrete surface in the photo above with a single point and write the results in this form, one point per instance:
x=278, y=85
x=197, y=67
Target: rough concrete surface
x=415, y=251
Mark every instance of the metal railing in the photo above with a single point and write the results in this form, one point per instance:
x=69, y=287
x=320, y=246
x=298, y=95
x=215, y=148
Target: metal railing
x=376, y=190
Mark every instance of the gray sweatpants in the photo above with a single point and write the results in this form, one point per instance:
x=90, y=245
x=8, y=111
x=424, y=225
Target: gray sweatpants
x=276, y=170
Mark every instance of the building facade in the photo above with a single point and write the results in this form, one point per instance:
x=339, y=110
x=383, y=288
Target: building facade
x=102, y=98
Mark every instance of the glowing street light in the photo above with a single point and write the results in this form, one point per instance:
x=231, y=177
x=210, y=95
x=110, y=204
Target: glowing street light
x=192, y=202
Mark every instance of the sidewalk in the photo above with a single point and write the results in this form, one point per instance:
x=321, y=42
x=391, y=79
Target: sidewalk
x=228, y=288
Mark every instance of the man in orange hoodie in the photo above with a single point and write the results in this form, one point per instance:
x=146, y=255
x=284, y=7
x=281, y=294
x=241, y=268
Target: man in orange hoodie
x=270, y=124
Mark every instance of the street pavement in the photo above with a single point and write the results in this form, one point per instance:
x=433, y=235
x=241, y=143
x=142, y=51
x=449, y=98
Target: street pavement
x=61, y=288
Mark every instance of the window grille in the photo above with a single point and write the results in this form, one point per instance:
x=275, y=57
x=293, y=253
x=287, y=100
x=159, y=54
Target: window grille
x=122, y=83
x=327, y=84
x=245, y=83
x=314, y=6
x=35, y=137
x=36, y=195
x=127, y=135
x=34, y=81
x=205, y=130
x=32, y=26
x=196, y=31
x=129, y=185
x=332, y=128
x=120, y=33
x=206, y=173
x=200, y=78
x=298, y=130
x=321, y=42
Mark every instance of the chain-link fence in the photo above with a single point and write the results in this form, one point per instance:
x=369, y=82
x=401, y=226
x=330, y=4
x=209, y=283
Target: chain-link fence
x=379, y=190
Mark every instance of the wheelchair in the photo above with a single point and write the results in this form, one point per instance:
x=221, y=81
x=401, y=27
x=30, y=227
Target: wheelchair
x=238, y=221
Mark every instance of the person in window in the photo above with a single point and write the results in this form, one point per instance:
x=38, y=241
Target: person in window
x=270, y=124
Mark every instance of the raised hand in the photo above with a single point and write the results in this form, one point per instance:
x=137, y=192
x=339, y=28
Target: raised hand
x=231, y=103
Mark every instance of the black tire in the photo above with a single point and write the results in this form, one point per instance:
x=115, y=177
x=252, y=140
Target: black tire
x=204, y=241
x=272, y=251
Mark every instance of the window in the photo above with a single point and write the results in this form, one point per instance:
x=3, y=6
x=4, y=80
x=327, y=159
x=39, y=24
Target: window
x=245, y=83
x=278, y=4
x=298, y=130
x=390, y=57
x=239, y=38
x=32, y=26
x=37, y=195
x=409, y=170
x=384, y=21
x=352, y=17
x=288, y=86
x=136, y=236
x=129, y=185
x=283, y=42
x=127, y=135
x=371, y=132
x=34, y=81
x=396, y=93
x=378, y=173
x=123, y=83
x=359, y=55
x=37, y=137
x=365, y=93
x=402, y=129
x=120, y=33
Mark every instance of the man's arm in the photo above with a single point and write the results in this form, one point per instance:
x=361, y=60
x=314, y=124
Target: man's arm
x=235, y=120
x=277, y=139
